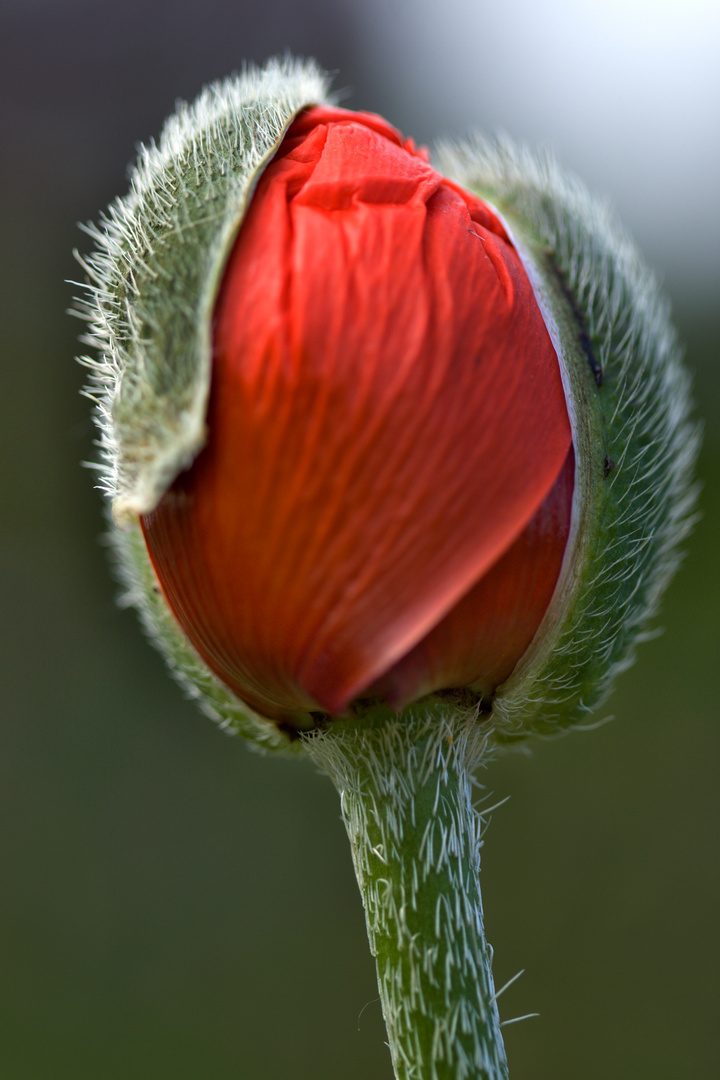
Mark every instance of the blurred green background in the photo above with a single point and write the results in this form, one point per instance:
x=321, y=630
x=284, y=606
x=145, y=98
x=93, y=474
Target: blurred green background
x=172, y=905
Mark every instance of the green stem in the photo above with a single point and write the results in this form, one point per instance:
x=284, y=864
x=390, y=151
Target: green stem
x=405, y=790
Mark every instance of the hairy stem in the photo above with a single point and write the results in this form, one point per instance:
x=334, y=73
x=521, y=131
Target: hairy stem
x=405, y=790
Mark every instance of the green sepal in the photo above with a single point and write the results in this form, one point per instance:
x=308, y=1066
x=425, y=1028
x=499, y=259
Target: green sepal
x=160, y=254
x=635, y=446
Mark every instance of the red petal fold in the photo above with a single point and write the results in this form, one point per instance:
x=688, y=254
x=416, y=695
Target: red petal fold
x=386, y=418
x=482, y=638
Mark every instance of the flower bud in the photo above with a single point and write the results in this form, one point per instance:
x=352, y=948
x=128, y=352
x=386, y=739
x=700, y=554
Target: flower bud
x=373, y=431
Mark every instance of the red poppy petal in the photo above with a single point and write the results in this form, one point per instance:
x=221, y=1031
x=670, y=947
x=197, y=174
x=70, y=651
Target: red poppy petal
x=386, y=417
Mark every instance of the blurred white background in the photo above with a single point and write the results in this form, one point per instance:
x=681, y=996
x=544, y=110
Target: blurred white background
x=627, y=92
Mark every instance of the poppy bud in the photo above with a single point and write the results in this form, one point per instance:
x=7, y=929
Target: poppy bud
x=375, y=431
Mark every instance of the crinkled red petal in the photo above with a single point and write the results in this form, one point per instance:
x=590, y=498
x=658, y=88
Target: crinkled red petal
x=386, y=417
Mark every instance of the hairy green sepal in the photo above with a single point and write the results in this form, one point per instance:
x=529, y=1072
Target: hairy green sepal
x=159, y=259
x=628, y=399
